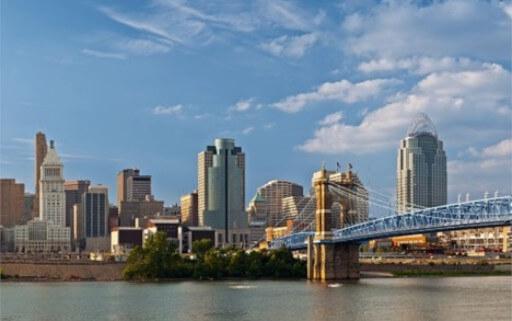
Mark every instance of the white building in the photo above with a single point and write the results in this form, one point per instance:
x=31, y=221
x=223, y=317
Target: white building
x=421, y=168
x=48, y=232
x=52, y=198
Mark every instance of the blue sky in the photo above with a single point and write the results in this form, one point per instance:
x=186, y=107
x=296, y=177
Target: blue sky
x=149, y=84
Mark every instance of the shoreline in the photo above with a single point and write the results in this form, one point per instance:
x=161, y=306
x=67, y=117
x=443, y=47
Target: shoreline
x=364, y=275
x=112, y=272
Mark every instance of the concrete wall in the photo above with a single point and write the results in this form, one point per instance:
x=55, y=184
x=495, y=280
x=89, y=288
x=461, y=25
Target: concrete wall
x=59, y=271
x=431, y=268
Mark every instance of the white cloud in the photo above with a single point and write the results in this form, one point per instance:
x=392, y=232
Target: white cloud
x=248, y=130
x=418, y=65
x=501, y=149
x=154, y=26
x=489, y=166
x=142, y=47
x=289, y=46
x=243, y=105
x=168, y=110
x=331, y=119
x=288, y=16
x=202, y=23
x=342, y=90
x=469, y=106
x=457, y=28
x=103, y=54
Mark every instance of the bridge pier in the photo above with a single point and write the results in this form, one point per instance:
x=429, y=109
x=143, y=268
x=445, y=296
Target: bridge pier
x=328, y=260
x=332, y=261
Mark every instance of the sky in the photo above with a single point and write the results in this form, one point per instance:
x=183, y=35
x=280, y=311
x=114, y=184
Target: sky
x=149, y=84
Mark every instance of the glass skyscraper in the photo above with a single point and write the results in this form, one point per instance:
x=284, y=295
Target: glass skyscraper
x=421, y=167
x=221, y=191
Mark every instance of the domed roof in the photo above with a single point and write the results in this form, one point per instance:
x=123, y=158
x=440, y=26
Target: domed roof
x=51, y=158
x=422, y=125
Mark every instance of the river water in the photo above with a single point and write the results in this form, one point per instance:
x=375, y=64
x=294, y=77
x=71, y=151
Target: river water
x=456, y=298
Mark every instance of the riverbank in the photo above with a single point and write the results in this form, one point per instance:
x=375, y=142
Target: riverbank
x=103, y=271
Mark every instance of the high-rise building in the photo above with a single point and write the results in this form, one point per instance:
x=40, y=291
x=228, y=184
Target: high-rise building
x=189, y=209
x=257, y=210
x=132, y=211
x=40, y=152
x=273, y=193
x=28, y=210
x=74, y=191
x=11, y=202
x=48, y=232
x=221, y=191
x=421, y=167
x=95, y=211
x=122, y=181
x=137, y=187
x=52, y=198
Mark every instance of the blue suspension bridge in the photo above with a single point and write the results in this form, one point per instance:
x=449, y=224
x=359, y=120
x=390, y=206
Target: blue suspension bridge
x=333, y=248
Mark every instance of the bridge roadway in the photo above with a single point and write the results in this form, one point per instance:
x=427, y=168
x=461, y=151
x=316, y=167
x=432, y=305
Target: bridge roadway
x=489, y=212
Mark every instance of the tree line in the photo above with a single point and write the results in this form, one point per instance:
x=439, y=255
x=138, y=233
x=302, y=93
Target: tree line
x=159, y=259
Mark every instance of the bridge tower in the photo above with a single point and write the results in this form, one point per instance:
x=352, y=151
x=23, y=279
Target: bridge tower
x=328, y=260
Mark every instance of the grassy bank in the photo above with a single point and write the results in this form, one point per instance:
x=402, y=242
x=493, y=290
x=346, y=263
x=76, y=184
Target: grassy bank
x=414, y=273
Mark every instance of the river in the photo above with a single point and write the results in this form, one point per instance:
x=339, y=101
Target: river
x=451, y=298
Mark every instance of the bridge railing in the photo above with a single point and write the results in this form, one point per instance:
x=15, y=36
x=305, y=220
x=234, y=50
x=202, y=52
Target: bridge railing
x=474, y=214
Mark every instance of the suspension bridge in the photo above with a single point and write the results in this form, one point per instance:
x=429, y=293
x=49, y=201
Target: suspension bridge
x=332, y=241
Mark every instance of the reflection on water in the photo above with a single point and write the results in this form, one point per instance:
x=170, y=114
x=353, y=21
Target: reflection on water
x=461, y=298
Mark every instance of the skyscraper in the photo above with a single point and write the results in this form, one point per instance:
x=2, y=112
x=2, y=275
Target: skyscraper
x=221, y=191
x=48, y=232
x=189, y=209
x=40, y=150
x=52, y=198
x=122, y=183
x=273, y=193
x=11, y=202
x=421, y=167
x=74, y=191
x=138, y=187
x=95, y=212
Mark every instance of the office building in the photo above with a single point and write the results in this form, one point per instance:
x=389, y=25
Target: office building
x=173, y=210
x=28, y=208
x=48, y=231
x=113, y=217
x=124, y=239
x=421, y=174
x=129, y=211
x=52, y=198
x=12, y=202
x=257, y=210
x=40, y=153
x=74, y=191
x=421, y=168
x=221, y=192
x=40, y=236
x=168, y=226
x=273, y=193
x=495, y=239
x=137, y=187
x=189, y=209
x=95, y=211
x=187, y=235
x=122, y=182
